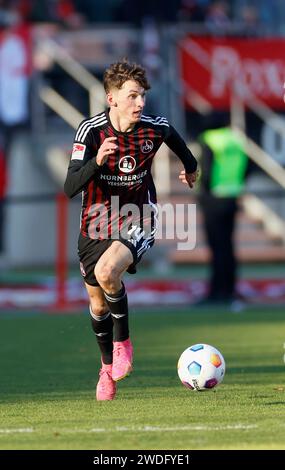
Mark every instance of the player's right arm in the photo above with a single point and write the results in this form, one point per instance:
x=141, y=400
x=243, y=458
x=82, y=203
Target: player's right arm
x=85, y=162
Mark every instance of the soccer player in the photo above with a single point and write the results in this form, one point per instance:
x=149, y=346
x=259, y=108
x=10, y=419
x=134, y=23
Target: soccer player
x=111, y=165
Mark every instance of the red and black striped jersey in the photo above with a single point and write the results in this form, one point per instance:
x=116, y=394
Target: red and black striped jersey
x=126, y=173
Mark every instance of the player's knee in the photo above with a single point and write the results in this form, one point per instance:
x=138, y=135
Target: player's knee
x=107, y=276
x=98, y=308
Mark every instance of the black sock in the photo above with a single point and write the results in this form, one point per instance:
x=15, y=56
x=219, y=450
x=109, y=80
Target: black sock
x=103, y=329
x=118, y=305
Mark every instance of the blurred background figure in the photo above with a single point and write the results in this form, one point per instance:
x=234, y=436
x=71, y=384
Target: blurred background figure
x=223, y=168
x=61, y=12
x=217, y=19
x=192, y=10
x=14, y=86
x=15, y=67
x=250, y=22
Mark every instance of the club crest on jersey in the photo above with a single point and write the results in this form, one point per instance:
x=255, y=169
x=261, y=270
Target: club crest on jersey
x=147, y=146
x=78, y=152
x=127, y=164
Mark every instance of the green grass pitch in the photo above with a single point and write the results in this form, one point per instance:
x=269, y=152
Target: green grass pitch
x=49, y=366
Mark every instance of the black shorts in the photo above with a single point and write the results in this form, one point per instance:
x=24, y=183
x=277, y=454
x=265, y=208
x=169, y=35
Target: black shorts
x=90, y=251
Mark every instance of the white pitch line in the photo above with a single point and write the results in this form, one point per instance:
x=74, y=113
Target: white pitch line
x=142, y=429
x=173, y=428
x=19, y=430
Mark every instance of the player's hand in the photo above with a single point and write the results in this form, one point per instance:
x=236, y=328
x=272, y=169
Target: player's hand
x=189, y=178
x=107, y=148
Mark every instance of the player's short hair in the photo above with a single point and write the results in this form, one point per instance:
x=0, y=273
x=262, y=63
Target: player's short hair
x=120, y=72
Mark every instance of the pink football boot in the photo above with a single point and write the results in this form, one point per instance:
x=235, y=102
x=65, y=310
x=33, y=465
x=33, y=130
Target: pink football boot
x=106, y=387
x=122, y=359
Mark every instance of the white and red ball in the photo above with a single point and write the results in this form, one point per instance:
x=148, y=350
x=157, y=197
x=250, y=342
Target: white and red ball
x=201, y=367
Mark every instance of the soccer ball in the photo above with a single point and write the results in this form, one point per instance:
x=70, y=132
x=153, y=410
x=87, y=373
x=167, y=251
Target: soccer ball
x=201, y=367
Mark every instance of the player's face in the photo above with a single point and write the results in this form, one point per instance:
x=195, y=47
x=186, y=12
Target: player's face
x=130, y=101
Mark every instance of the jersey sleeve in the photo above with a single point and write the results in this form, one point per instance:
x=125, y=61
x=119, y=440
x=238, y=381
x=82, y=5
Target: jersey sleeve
x=175, y=142
x=83, y=165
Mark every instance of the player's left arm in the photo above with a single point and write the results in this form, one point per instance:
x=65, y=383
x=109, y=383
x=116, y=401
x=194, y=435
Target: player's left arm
x=175, y=142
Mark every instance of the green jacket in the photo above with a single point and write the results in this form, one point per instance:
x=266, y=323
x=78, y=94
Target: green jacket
x=229, y=162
